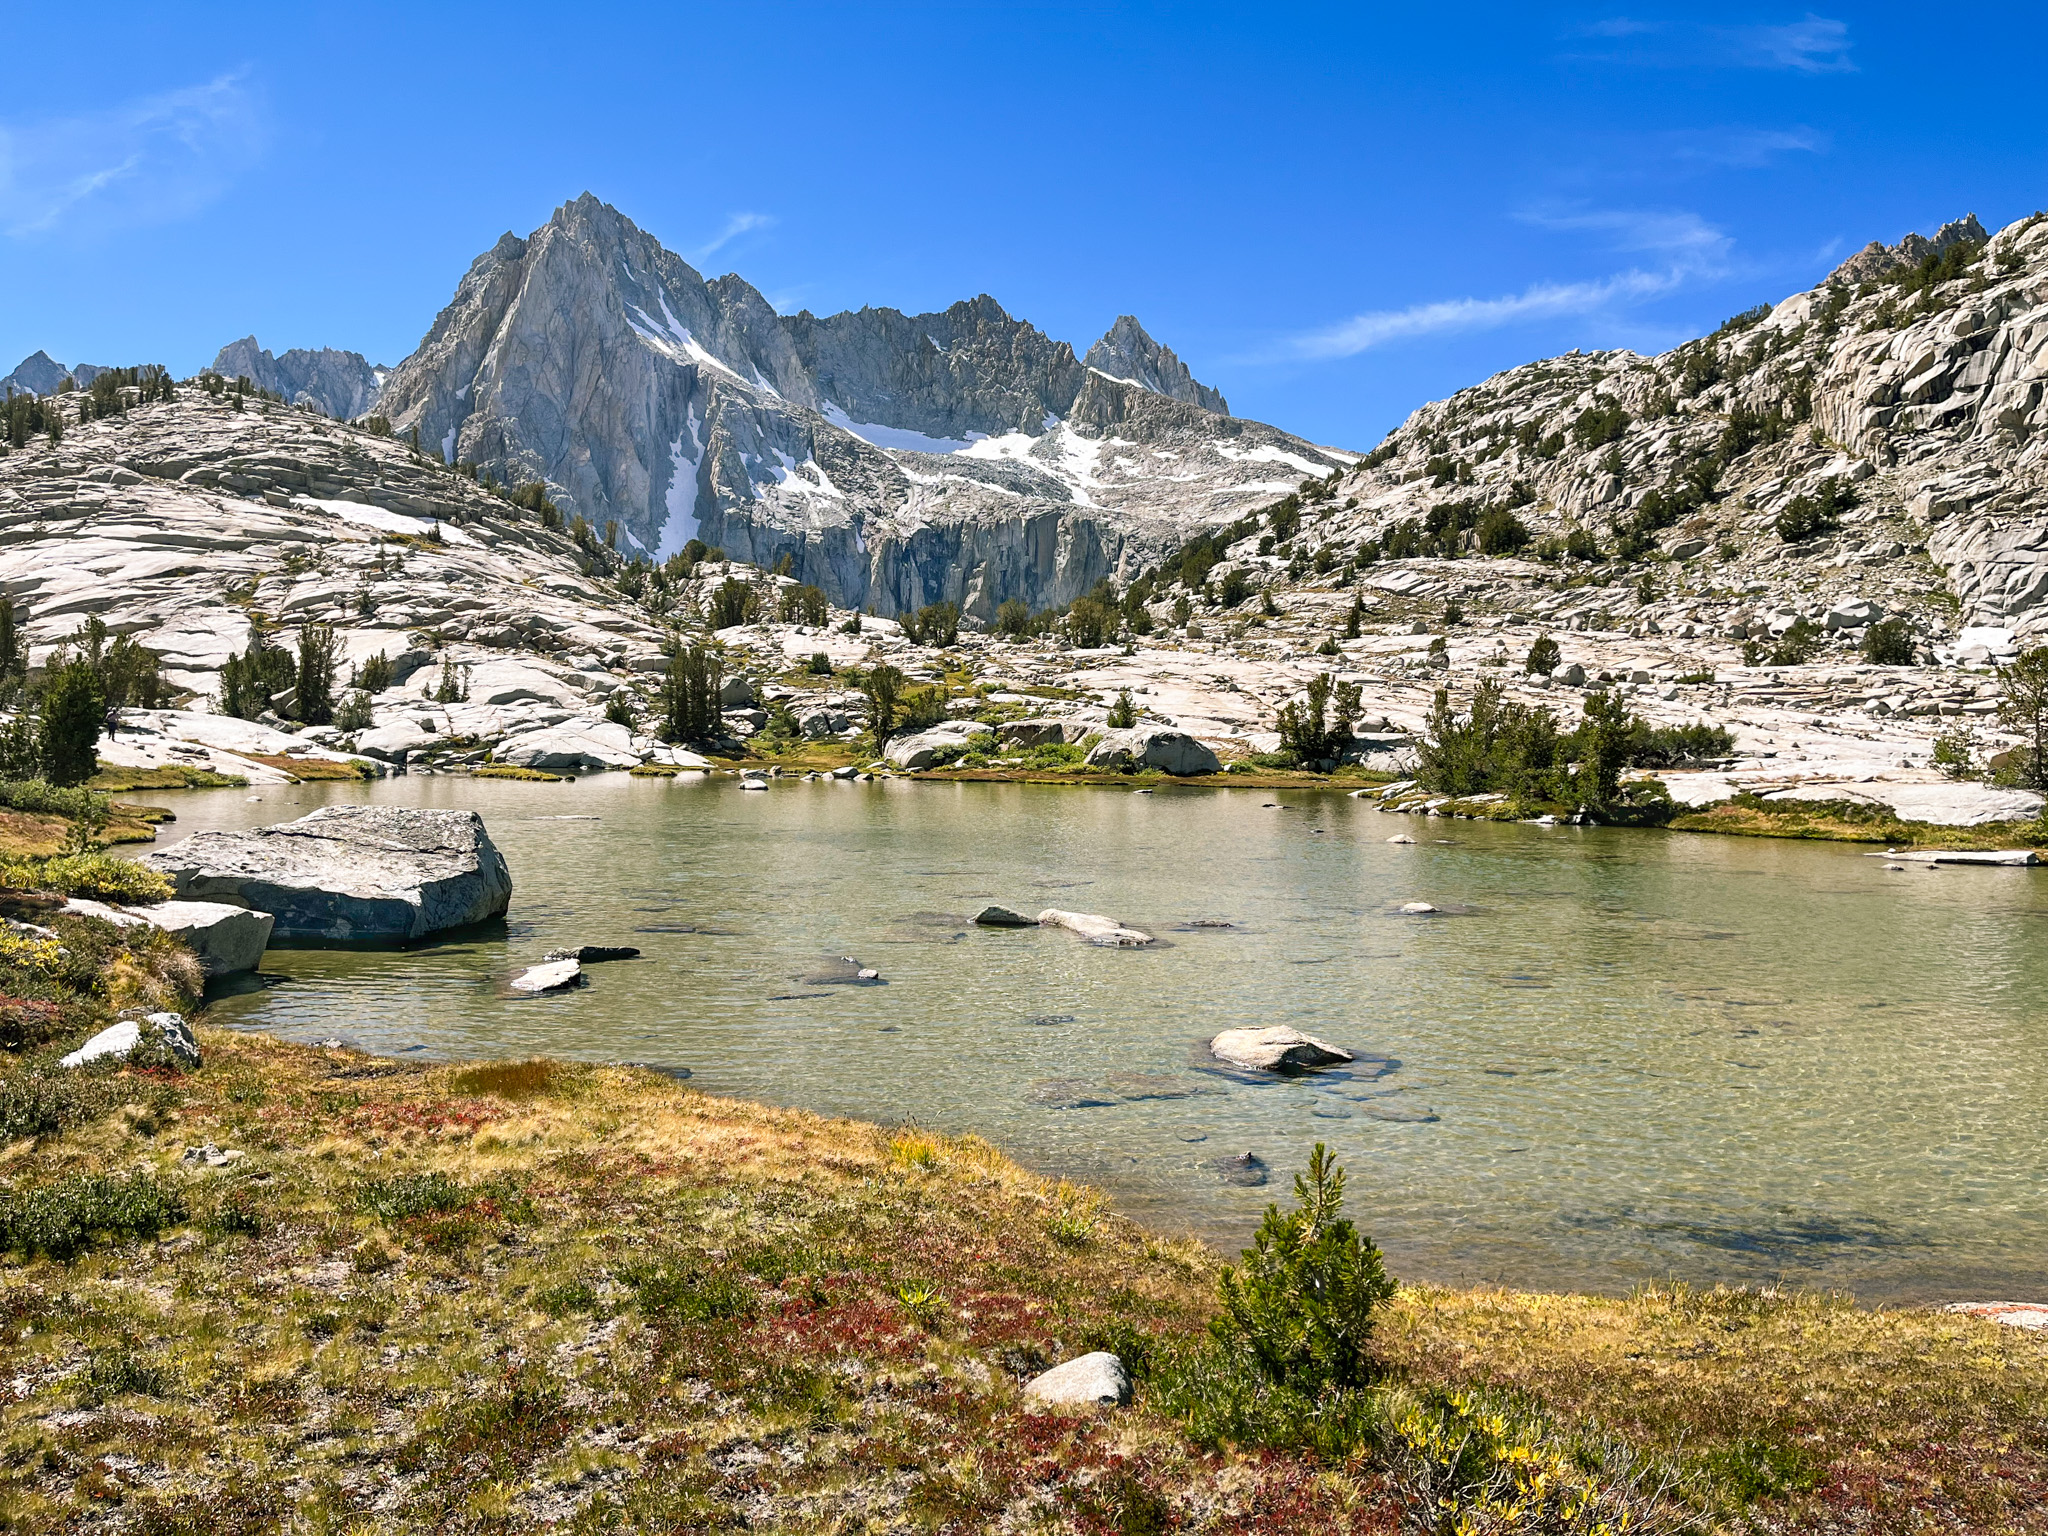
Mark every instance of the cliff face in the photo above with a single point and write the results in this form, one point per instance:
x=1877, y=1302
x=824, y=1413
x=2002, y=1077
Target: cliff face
x=896, y=459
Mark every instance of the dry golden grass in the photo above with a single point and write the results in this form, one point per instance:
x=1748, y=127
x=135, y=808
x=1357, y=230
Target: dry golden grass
x=503, y=1296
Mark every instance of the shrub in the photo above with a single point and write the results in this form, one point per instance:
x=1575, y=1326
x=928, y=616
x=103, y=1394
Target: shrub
x=1235, y=589
x=1808, y=517
x=1579, y=544
x=1674, y=746
x=820, y=665
x=1302, y=1303
x=1599, y=424
x=621, y=708
x=1797, y=646
x=1013, y=618
x=99, y=876
x=690, y=694
x=685, y=1292
x=1889, y=643
x=2023, y=710
x=1123, y=714
x=1502, y=533
x=355, y=713
x=934, y=625
x=64, y=1218
x=1544, y=657
x=412, y=1194
x=1955, y=753
x=313, y=698
x=1090, y=624
x=35, y=1103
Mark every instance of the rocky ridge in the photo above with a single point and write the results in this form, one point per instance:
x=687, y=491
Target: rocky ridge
x=40, y=374
x=339, y=384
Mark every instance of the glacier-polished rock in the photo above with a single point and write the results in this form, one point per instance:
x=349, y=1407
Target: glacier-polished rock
x=350, y=872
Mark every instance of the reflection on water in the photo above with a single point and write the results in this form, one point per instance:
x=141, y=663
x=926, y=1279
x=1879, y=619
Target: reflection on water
x=1611, y=1056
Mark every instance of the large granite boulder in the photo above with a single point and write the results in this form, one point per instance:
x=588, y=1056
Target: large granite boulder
x=1276, y=1048
x=350, y=872
x=1148, y=746
x=925, y=748
x=1045, y=732
x=226, y=938
x=157, y=1039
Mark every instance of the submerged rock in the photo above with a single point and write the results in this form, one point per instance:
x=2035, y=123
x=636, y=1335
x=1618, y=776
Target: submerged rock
x=555, y=976
x=1094, y=928
x=1418, y=909
x=350, y=872
x=1276, y=1048
x=1096, y=1380
x=594, y=954
x=1247, y=1169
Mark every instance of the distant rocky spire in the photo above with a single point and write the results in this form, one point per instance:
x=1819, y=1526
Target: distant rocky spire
x=1126, y=352
x=1877, y=258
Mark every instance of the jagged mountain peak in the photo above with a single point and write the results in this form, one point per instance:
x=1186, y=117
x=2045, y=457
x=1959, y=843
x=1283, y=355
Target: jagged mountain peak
x=1876, y=259
x=40, y=374
x=1126, y=351
x=896, y=458
x=341, y=384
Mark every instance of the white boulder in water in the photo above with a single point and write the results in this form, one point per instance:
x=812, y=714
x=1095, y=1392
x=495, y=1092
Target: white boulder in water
x=350, y=872
x=1094, y=928
x=1275, y=1048
x=552, y=976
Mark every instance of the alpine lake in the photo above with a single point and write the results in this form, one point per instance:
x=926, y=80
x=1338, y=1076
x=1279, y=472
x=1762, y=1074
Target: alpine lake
x=1612, y=1056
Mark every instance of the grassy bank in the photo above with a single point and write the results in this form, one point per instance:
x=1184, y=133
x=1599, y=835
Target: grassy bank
x=494, y=1297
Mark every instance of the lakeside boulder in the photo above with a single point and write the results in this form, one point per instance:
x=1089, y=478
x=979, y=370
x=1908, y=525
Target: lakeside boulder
x=1146, y=746
x=226, y=938
x=911, y=753
x=350, y=872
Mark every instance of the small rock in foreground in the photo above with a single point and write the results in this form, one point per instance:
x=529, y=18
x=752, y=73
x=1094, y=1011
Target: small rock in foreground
x=555, y=976
x=1276, y=1048
x=210, y=1156
x=164, y=1034
x=1096, y=1380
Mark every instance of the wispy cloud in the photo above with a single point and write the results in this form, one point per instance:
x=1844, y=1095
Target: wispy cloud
x=1741, y=149
x=735, y=226
x=1813, y=45
x=1689, y=249
x=148, y=161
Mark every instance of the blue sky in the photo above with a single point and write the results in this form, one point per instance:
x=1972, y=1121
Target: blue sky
x=1333, y=213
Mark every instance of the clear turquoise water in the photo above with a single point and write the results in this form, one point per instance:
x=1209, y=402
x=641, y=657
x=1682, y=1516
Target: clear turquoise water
x=1622, y=1055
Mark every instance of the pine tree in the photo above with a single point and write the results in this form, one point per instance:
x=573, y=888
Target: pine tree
x=318, y=654
x=74, y=708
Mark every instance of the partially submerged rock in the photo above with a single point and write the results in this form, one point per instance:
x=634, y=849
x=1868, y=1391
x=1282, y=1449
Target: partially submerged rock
x=1003, y=917
x=155, y=1037
x=553, y=976
x=594, y=954
x=1096, y=1380
x=1094, y=928
x=1418, y=909
x=350, y=872
x=1275, y=1048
